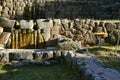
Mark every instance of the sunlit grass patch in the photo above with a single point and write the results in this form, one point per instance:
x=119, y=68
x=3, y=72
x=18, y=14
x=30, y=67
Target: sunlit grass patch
x=104, y=50
x=107, y=55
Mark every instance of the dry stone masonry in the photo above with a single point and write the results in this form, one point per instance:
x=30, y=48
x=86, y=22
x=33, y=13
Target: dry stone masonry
x=34, y=9
x=63, y=33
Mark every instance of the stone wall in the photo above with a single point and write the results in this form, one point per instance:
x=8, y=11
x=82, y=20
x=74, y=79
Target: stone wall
x=34, y=9
x=62, y=33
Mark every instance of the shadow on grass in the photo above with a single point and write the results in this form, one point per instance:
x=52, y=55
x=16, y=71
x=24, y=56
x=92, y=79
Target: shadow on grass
x=38, y=72
x=112, y=64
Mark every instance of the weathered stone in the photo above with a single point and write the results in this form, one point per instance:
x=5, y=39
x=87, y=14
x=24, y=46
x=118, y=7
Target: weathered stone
x=57, y=54
x=45, y=26
x=65, y=24
x=6, y=23
x=44, y=23
x=43, y=55
x=4, y=57
x=38, y=55
x=4, y=38
x=68, y=34
x=22, y=55
x=1, y=30
x=24, y=24
x=67, y=44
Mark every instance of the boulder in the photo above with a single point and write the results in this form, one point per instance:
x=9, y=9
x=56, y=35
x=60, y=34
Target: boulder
x=89, y=38
x=6, y=23
x=58, y=21
x=55, y=30
x=68, y=44
x=25, y=24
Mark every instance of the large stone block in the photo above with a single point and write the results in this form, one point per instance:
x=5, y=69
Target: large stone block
x=44, y=23
x=21, y=55
x=43, y=55
x=68, y=44
x=4, y=38
x=4, y=57
x=6, y=23
x=45, y=26
x=25, y=24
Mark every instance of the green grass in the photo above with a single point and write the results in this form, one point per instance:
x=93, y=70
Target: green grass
x=37, y=72
x=111, y=64
x=104, y=50
x=108, y=51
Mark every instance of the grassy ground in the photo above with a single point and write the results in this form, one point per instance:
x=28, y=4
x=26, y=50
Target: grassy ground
x=104, y=51
x=37, y=72
x=108, y=51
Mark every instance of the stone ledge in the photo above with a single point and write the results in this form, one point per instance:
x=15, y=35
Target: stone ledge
x=89, y=68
